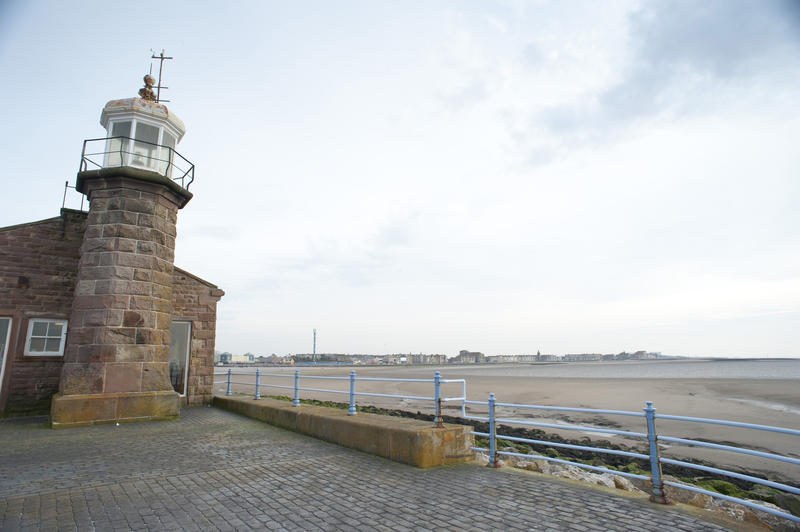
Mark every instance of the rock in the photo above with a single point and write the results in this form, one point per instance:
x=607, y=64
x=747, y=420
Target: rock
x=728, y=509
x=540, y=466
x=641, y=484
x=511, y=460
x=569, y=471
x=676, y=494
x=601, y=479
x=771, y=521
x=701, y=500
x=622, y=483
x=788, y=502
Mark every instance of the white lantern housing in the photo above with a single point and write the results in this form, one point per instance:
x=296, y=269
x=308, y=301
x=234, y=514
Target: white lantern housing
x=142, y=134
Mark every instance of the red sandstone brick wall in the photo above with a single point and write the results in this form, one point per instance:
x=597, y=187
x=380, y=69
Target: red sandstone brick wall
x=38, y=269
x=196, y=300
x=46, y=255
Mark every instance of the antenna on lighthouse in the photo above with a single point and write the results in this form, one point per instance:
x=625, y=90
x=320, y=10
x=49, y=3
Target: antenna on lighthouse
x=161, y=58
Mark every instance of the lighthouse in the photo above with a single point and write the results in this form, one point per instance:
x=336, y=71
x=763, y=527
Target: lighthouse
x=117, y=355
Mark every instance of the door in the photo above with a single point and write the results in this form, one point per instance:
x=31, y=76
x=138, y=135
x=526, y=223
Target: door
x=5, y=333
x=179, y=348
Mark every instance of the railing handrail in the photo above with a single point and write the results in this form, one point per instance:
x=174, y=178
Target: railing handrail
x=738, y=424
x=353, y=379
x=574, y=409
x=649, y=413
x=170, y=160
x=653, y=456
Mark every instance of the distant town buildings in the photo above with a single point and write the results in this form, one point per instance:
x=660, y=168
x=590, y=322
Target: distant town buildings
x=420, y=359
x=468, y=357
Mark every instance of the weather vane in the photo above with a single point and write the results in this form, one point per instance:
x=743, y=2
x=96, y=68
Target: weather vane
x=147, y=92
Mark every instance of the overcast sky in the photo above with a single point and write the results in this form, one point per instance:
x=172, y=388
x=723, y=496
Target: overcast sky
x=504, y=177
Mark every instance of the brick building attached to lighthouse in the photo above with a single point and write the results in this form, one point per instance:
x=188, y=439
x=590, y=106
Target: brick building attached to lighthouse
x=97, y=325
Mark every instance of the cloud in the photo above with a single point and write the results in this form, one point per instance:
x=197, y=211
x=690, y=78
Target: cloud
x=469, y=94
x=333, y=262
x=684, y=57
x=722, y=38
x=213, y=232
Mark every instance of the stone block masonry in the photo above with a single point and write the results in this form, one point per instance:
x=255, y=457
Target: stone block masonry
x=195, y=300
x=38, y=271
x=38, y=276
x=119, y=327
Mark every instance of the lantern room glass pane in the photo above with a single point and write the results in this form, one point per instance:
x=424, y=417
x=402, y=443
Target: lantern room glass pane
x=145, y=148
x=118, y=148
x=167, y=157
x=121, y=129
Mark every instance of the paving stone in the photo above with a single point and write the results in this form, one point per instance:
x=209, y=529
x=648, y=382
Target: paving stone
x=213, y=470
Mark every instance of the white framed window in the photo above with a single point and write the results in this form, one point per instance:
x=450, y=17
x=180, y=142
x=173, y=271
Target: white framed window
x=46, y=337
x=5, y=335
x=152, y=147
x=179, y=350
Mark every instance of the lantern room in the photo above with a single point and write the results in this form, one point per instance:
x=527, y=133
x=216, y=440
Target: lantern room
x=142, y=134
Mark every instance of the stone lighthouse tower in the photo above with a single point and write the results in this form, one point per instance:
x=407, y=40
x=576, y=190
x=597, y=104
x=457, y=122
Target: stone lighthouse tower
x=116, y=361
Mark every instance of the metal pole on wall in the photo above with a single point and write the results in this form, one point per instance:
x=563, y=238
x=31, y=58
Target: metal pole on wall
x=314, y=352
x=437, y=399
x=493, y=462
x=296, y=401
x=658, y=494
x=258, y=383
x=352, y=410
x=229, y=383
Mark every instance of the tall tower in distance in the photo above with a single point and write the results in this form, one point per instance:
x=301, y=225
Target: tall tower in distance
x=116, y=361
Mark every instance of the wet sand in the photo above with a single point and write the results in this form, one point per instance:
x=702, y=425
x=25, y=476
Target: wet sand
x=774, y=402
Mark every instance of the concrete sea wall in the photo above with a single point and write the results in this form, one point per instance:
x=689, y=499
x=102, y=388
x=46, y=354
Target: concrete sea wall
x=409, y=441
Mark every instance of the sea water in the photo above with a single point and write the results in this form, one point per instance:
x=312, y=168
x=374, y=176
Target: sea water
x=648, y=369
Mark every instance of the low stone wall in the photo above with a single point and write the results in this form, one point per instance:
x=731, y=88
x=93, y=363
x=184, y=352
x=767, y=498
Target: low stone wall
x=409, y=441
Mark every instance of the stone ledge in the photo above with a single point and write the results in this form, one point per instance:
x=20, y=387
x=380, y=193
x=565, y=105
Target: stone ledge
x=409, y=441
x=124, y=407
x=130, y=172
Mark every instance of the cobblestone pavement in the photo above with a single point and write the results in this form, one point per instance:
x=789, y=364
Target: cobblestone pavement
x=214, y=470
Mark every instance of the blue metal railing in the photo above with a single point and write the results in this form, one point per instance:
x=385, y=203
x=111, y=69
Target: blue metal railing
x=649, y=414
x=653, y=456
x=437, y=381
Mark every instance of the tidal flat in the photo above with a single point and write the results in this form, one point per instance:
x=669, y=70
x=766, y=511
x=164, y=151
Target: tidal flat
x=763, y=398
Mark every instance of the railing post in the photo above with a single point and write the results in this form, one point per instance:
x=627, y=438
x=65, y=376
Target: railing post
x=352, y=410
x=229, y=383
x=258, y=383
x=658, y=495
x=493, y=461
x=464, y=398
x=296, y=401
x=437, y=399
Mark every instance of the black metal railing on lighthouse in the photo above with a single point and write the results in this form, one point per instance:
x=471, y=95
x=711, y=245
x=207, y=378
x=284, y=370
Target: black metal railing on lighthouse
x=113, y=152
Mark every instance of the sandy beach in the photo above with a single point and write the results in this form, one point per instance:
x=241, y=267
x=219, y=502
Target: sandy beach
x=774, y=402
